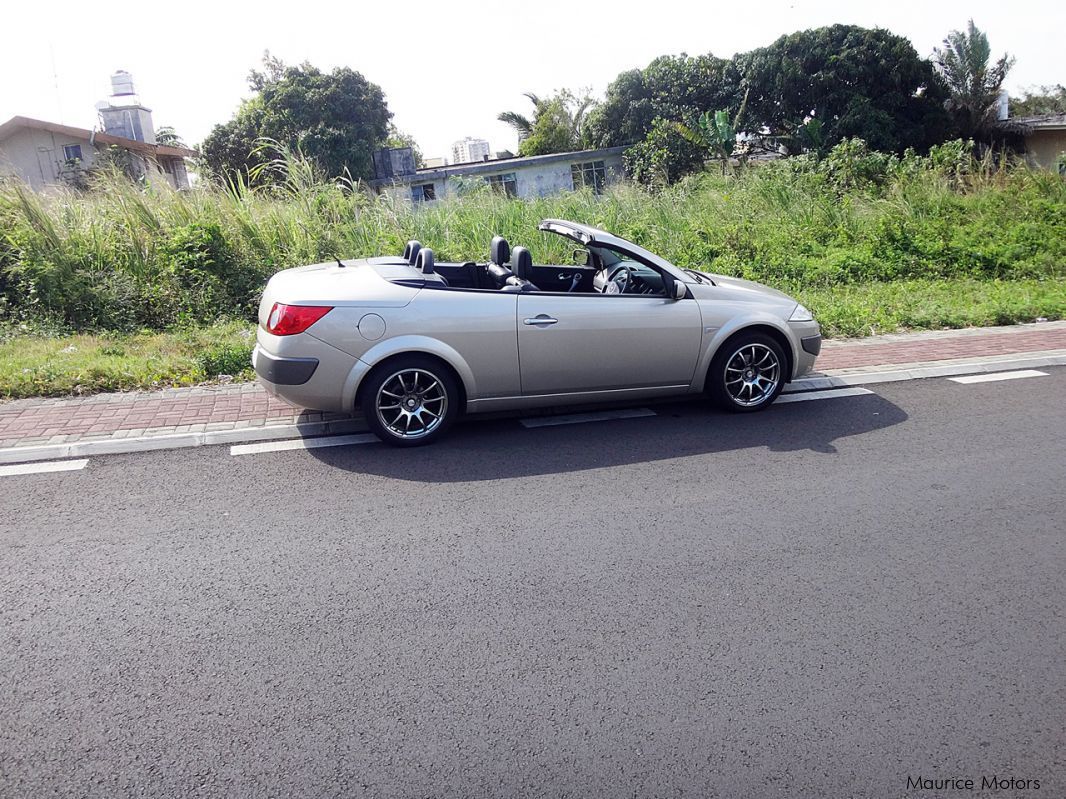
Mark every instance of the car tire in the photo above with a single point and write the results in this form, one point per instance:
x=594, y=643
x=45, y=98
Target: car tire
x=410, y=401
x=747, y=373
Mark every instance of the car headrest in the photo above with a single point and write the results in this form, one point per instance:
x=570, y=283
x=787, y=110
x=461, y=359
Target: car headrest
x=410, y=252
x=522, y=263
x=424, y=261
x=499, y=251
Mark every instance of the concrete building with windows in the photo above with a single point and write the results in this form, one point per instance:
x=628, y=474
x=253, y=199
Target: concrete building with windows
x=470, y=149
x=533, y=176
x=47, y=154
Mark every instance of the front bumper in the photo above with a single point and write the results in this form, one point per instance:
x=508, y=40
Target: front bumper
x=807, y=343
x=812, y=344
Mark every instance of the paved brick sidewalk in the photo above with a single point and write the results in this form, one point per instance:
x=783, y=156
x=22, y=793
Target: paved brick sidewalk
x=28, y=423
x=940, y=345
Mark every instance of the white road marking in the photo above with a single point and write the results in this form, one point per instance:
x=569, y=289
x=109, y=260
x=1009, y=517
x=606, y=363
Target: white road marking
x=301, y=443
x=819, y=395
x=42, y=466
x=579, y=418
x=989, y=378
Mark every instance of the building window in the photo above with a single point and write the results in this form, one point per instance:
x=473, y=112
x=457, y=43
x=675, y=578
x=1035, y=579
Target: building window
x=505, y=184
x=72, y=152
x=423, y=193
x=592, y=175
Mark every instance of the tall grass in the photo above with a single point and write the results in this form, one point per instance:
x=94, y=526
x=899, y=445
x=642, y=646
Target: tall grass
x=123, y=258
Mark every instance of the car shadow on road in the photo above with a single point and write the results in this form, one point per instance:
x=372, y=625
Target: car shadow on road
x=502, y=448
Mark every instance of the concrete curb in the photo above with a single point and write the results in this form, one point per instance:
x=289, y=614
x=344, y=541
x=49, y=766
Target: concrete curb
x=814, y=382
x=119, y=446
x=918, y=371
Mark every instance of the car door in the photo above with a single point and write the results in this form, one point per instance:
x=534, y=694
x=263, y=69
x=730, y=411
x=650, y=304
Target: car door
x=595, y=342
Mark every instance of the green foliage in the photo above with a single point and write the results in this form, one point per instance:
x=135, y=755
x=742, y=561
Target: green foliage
x=858, y=82
x=1040, y=100
x=166, y=135
x=674, y=88
x=714, y=133
x=808, y=90
x=557, y=125
x=226, y=358
x=336, y=119
x=973, y=82
x=664, y=157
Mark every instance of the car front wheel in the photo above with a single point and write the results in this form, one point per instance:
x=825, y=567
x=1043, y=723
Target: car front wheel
x=747, y=373
x=410, y=401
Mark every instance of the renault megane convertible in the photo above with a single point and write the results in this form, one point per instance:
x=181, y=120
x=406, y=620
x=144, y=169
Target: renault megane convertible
x=415, y=343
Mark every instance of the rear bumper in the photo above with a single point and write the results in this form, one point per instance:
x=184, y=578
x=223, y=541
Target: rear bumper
x=305, y=371
x=283, y=371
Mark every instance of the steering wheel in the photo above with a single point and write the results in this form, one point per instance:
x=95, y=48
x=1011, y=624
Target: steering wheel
x=618, y=282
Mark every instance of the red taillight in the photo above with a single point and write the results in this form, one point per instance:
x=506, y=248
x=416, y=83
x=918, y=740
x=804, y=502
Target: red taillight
x=287, y=320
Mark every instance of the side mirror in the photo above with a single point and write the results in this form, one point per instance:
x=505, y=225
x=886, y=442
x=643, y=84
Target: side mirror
x=680, y=290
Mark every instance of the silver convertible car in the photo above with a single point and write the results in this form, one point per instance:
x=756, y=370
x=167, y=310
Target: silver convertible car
x=415, y=343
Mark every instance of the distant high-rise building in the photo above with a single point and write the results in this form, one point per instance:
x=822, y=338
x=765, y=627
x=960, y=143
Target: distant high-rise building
x=470, y=149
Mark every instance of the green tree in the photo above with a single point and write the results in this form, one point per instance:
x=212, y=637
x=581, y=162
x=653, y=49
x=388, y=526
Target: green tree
x=857, y=82
x=1040, y=100
x=336, y=119
x=557, y=125
x=671, y=88
x=973, y=82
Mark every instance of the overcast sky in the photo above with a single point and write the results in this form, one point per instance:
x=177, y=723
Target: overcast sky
x=447, y=69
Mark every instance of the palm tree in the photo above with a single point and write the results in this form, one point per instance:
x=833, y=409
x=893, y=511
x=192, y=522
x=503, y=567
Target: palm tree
x=974, y=84
x=521, y=123
x=169, y=137
x=557, y=124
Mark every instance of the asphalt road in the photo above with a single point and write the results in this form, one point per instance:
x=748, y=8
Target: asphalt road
x=821, y=600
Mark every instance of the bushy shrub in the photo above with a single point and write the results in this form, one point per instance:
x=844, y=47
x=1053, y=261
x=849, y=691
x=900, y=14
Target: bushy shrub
x=226, y=359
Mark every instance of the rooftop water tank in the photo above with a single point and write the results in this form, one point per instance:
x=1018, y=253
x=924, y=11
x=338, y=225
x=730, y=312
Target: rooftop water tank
x=122, y=83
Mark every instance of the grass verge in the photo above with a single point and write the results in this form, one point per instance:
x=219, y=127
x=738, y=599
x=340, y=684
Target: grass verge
x=37, y=366
x=864, y=309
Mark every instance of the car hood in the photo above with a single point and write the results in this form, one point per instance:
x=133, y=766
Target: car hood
x=750, y=287
x=738, y=290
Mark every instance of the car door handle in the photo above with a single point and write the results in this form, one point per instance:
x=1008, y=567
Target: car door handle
x=541, y=320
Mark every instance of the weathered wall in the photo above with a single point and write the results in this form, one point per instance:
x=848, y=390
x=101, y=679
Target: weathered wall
x=1045, y=147
x=37, y=156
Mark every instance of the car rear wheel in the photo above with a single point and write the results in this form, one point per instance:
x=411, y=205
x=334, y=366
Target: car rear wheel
x=747, y=373
x=410, y=401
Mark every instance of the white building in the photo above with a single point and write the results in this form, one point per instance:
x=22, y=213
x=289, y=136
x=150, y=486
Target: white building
x=469, y=150
x=49, y=154
x=534, y=176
